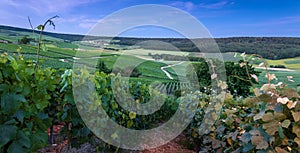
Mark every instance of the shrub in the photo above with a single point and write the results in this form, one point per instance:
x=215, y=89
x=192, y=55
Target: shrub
x=24, y=40
x=103, y=68
x=266, y=122
x=238, y=76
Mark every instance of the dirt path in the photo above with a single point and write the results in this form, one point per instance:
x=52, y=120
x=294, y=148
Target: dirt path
x=163, y=67
x=166, y=72
x=141, y=57
x=276, y=69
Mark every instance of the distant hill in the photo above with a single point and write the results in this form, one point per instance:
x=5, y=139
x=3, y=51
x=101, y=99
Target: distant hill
x=268, y=47
x=70, y=37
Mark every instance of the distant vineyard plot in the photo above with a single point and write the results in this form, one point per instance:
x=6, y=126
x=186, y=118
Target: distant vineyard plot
x=61, y=50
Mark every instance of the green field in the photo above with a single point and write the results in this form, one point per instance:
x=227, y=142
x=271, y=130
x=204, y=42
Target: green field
x=282, y=77
x=59, y=53
x=150, y=69
x=290, y=63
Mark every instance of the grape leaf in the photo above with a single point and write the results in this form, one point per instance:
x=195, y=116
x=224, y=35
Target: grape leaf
x=296, y=116
x=286, y=123
x=268, y=117
x=280, y=132
x=296, y=130
x=15, y=147
x=280, y=150
x=11, y=102
x=297, y=140
x=7, y=133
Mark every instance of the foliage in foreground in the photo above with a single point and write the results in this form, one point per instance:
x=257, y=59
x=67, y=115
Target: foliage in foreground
x=266, y=122
x=27, y=99
x=33, y=100
x=238, y=76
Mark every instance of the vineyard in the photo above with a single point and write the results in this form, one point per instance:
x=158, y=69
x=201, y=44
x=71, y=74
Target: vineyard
x=249, y=110
x=34, y=100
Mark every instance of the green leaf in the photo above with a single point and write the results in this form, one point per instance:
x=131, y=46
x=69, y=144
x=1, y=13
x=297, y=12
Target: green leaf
x=15, y=147
x=132, y=115
x=1, y=78
x=296, y=130
x=10, y=103
x=17, y=77
x=246, y=137
x=272, y=130
x=23, y=139
x=42, y=104
x=39, y=140
x=29, y=125
x=286, y=123
x=4, y=88
x=263, y=106
x=64, y=116
x=271, y=127
x=114, y=135
x=280, y=132
x=29, y=71
x=20, y=98
x=63, y=88
x=40, y=27
x=20, y=116
x=42, y=115
x=14, y=64
x=129, y=123
x=296, y=116
x=297, y=140
x=10, y=58
x=7, y=133
x=43, y=47
x=262, y=145
x=259, y=115
x=268, y=117
x=11, y=122
x=247, y=147
x=279, y=116
x=280, y=150
x=261, y=151
x=26, y=90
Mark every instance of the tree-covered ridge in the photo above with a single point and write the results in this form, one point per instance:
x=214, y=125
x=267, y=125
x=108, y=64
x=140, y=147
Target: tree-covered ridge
x=268, y=47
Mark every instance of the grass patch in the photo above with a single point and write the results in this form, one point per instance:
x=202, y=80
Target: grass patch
x=282, y=77
x=290, y=63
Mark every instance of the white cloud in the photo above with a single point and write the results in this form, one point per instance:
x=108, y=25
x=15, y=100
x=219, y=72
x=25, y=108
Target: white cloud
x=216, y=5
x=45, y=6
x=56, y=5
x=88, y=23
x=9, y=3
x=184, y=5
x=189, y=6
x=288, y=20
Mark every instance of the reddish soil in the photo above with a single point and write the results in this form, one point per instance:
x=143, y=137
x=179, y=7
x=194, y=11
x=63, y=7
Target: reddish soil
x=171, y=147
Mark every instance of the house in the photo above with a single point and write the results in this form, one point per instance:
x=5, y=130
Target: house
x=4, y=41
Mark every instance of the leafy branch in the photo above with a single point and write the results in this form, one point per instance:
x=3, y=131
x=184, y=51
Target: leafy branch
x=41, y=28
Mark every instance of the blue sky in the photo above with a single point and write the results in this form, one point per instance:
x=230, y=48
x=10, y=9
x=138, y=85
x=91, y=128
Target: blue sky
x=222, y=18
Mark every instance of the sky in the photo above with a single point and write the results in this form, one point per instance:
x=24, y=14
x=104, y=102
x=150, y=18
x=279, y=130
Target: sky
x=221, y=18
